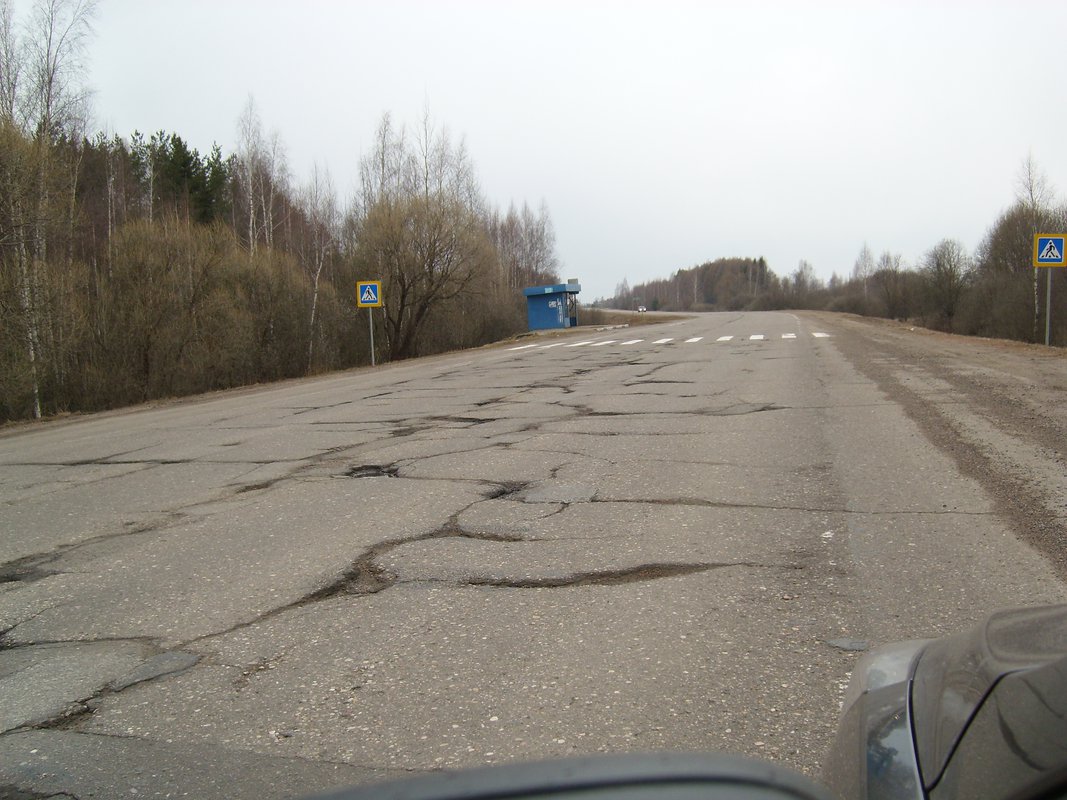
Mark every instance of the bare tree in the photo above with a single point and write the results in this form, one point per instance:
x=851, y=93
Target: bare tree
x=863, y=268
x=803, y=283
x=41, y=96
x=319, y=204
x=946, y=269
x=263, y=174
x=58, y=31
x=11, y=61
x=1035, y=192
x=249, y=154
x=273, y=176
x=420, y=227
x=893, y=281
x=526, y=247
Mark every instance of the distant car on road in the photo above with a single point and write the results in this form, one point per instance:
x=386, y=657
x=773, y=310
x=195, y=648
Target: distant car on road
x=978, y=714
x=641, y=308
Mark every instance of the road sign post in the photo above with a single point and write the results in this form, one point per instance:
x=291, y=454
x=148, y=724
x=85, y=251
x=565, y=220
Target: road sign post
x=1049, y=251
x=369, y=296
x=370, y=320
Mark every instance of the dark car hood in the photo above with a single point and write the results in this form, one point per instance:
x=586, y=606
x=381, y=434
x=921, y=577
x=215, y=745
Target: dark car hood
x=955, y=674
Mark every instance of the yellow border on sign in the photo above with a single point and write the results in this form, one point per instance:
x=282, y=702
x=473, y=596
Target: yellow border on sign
x=377, y=293
x=1063, y=255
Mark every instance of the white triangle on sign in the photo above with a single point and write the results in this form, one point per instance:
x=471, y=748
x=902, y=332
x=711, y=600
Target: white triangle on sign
x=1051, y=252
x=369, y=295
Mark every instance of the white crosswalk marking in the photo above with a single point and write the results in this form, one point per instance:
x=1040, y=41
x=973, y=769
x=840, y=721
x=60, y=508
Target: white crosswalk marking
x=755, y=337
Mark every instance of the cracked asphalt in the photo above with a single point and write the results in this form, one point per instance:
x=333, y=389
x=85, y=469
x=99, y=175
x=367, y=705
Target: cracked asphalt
x=512, y=554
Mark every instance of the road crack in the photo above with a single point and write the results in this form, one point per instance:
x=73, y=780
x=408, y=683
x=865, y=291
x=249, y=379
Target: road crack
x=638, y=574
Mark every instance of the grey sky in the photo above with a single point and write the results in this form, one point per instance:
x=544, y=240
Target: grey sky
x=659, y=134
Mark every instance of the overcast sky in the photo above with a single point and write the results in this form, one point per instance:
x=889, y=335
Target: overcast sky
x=660, y=134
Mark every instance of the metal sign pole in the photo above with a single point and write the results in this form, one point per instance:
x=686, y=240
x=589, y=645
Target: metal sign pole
x=1048, y=306
x=370, y=317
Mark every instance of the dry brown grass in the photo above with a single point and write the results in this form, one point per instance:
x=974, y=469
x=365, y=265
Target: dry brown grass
x=598, y=317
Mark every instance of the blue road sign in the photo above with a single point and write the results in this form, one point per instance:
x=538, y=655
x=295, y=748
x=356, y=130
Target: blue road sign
x=369, y=294
x=1049, y=250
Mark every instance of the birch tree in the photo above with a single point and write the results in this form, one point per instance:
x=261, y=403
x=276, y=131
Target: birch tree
x=526, y=246
x=249, y=154
x=11, y=63
x=41, y=98
x=263, y=175
x=863, y=268
x=1036, y=194
x=319, y=204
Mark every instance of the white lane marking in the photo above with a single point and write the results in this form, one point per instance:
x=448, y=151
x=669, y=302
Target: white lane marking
x=756, y=337
x=821, y=335
x=579, y=344
x=789, y=336
x=633, y=341
x=664, y=341
x=601, y=344
x=523, y=347
x=694, y=339
x=724, y=338
x=550, y=346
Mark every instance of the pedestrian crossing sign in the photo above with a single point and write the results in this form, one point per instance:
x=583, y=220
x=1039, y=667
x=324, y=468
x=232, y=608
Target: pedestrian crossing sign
x=369, y=294
x=1049, y=250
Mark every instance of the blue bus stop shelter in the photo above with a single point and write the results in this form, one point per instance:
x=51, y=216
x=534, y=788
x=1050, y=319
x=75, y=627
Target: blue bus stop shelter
x=552, y=306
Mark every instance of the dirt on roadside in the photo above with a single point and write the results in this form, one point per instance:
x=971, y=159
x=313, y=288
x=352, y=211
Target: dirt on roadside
x=996, y=407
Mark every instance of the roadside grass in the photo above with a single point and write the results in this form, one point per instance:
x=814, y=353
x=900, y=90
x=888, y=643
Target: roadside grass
x=599, y=317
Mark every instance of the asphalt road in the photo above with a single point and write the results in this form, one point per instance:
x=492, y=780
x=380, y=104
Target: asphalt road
x=626, y=540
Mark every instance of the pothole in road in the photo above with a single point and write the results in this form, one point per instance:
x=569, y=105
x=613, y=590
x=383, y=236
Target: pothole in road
x=452, y=530
x=363, y=577
x=371, y=471
x=559, y=386
x=638, y=574
x=507, y=489
x=27, y=570
x=408, y=430
x=69, y=719
x=254, y=487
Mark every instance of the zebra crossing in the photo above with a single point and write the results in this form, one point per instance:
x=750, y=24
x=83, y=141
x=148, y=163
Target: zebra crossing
x=754, y=337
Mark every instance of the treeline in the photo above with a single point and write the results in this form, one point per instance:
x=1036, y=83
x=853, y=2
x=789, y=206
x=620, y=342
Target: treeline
x=137, y=268
x=726, y=284
x=994, y=292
